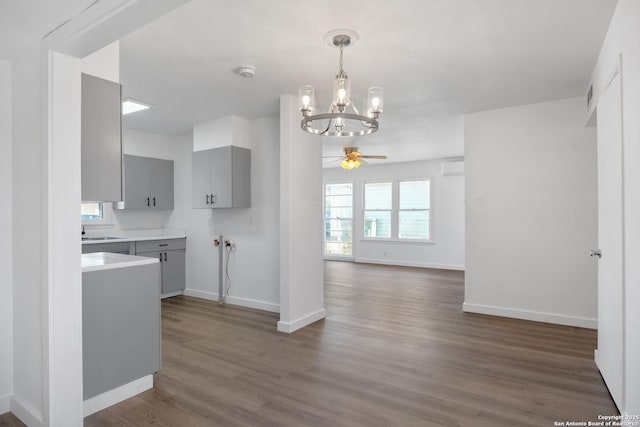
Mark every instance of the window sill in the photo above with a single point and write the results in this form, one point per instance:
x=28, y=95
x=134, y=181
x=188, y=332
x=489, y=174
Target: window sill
x=411, y=241
x=89, y=225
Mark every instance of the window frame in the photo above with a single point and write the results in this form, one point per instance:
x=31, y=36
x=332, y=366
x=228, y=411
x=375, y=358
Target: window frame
x=395, y=211
x=429, y=210
x=106, y=220
x=324, y=219
x=364, y=209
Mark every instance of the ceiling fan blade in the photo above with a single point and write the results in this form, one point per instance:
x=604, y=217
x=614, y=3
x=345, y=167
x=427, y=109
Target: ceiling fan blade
x=372, y=157
x=333, y=157
x=334, y=161
x=362, y=161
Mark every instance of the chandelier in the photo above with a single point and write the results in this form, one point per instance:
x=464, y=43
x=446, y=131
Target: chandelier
x=342, y=117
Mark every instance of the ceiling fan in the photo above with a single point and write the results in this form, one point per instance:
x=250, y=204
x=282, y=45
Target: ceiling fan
x=353, y=158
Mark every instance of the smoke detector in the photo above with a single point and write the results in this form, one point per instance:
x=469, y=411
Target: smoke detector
x=246, y=71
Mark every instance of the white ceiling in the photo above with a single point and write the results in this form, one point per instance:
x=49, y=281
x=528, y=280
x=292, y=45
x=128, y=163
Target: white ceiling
x=24, y=23
x=436, y=59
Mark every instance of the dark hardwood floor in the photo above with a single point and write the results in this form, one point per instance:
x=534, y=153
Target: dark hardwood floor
x=395, y=350
x=10, y=420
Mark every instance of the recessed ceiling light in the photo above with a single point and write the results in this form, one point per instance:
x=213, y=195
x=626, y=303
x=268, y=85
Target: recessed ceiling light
x=130, y=105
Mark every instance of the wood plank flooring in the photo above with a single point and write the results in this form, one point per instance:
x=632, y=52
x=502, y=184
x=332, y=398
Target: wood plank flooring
x=395, y=350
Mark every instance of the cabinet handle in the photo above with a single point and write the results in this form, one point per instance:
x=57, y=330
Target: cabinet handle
x=148, y=201
x=165, y=256
x=154, y=201
x=160, y=256
x=163, y=244
x=212, y=199
x=207, y=199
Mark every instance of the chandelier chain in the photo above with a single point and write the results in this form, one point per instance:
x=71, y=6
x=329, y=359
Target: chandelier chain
x=341, y=73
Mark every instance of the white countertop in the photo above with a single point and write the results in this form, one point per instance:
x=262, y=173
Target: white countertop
x=107, y=260
x=135, y=235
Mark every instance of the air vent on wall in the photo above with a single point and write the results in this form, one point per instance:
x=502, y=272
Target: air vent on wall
x=452, y=167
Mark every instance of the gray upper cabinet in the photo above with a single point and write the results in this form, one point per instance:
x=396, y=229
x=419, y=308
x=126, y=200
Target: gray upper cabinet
x=161, y=183
x=221, y=178
x=148, y=183
x=101, y=140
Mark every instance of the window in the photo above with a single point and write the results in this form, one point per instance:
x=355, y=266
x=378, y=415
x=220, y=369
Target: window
x=91, y=211
x=97, y=214
x=338, y=219
x=377, y=210
x=413, y=214
x=398, y=210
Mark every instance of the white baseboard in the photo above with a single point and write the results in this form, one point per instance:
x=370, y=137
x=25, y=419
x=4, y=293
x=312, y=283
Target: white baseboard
x=5, y=404
x=104, y=400
x=243, y=302
x=25, y=412
x=339, y=258
x=171, y=294
x=410, y=264
x=290, y=327
x=536, y=316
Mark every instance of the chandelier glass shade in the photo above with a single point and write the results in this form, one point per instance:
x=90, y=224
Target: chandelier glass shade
x=342, y=117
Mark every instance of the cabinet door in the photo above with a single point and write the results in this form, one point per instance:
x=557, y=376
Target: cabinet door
x=101, y=144
x=173, y=271
x=136, y=182
x=161, y=184
x=241, y=177
x=201, y=179
x=221, y=163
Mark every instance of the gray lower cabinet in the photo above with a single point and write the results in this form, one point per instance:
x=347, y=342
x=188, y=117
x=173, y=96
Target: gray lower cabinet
x=221, y=178
x=171, y=254
x=148, y=183
x=101, y=136
x=120, y=326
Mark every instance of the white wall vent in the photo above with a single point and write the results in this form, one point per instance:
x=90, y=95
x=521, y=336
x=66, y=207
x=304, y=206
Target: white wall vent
x=452, y=167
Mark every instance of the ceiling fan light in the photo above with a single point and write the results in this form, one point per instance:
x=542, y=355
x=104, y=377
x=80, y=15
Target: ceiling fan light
x=350, y=164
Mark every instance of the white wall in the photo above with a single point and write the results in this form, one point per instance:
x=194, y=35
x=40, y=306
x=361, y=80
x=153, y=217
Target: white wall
x=146, y=144
x=39, y=396
x=253, y=265
x=63, y=295
x=229, y=130
x=27, y=239
x=622, y=37
x=104, y=63
x=531, y=213
x=301, y=229
x=6, y=284
x=447, y=250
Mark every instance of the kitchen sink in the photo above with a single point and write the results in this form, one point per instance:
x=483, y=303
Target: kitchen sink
x=100, y=238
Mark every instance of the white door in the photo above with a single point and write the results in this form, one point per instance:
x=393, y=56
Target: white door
x=610, y=238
